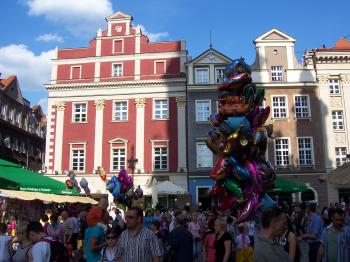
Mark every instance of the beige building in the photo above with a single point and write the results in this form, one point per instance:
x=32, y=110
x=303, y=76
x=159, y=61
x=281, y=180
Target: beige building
x=291, y=91
x=332, y=67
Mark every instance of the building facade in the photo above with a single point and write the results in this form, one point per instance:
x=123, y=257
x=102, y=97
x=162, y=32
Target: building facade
x=22, y=128
x=204, y=73
x=291, y=91
x=332, y=67
x=121, y=91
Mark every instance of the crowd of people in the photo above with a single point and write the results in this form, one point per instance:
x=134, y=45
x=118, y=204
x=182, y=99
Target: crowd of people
x=183, y=235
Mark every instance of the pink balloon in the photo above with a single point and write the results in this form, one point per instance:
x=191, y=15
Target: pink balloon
x=248, y=210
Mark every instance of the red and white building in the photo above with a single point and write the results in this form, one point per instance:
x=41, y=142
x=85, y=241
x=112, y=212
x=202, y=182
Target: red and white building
x=121, y=90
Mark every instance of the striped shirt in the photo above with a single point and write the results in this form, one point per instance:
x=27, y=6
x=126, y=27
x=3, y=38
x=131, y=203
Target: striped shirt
x=343, y=243
x=139, y=248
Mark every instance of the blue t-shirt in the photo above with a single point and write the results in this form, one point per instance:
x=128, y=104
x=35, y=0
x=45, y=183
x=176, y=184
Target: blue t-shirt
x=148, y=221
x=93, y=232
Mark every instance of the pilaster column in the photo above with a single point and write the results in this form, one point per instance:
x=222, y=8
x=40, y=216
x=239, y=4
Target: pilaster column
x=140, y=132
x=100, y=105
x=345, y=89
x=60, y=107
x=181, y=134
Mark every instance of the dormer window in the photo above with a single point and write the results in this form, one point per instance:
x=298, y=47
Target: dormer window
x=202, y=76
x=277, y=73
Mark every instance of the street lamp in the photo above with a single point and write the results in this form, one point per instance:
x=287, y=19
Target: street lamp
x=132, y=161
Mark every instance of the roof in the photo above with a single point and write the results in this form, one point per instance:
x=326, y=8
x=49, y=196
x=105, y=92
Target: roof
x=208, y=51
x=274, y=35
x=341, y=45
x=6, y=82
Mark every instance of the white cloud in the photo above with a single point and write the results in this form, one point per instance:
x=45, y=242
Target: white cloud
x=78, y=16
x=43, y=103
x=50, y=38
x=32, y=71
x=153, y=36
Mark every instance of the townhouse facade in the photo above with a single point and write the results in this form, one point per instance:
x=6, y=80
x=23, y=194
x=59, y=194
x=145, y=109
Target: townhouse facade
x=332, y=67
x=22, y=127
x=204, y=73
x=122, y=97
x=291, y=91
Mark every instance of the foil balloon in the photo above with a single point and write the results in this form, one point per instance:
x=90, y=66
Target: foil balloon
x=84, y=185
x=138, y=193
x=239, y=139
x=102, y=172
x=267, y=202
x=122, y=176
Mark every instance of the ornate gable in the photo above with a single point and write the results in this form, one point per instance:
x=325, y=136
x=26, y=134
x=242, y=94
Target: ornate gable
x=119, y=16
x=274, y=35
x=118, y=140
x=211, y=56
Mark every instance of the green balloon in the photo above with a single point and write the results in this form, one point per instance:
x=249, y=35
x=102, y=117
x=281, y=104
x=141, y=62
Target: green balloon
x=233, y=188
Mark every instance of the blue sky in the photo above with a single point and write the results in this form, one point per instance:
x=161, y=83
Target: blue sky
x=31, y=29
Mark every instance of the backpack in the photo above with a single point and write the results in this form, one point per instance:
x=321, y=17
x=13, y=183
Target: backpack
x=58, y=251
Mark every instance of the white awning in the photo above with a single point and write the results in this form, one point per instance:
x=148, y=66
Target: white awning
x=166, y=188
x=47, y=197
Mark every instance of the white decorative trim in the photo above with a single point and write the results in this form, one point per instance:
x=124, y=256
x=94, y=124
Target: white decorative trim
x=98, y=145
x=118, y=140
x=181, y=101
x=137, y=69
x=181, y=134
x=59, y=137
x=100, y=104
x=71, y=71
x=140, y=132
x=60, y=106
x=97, y=71
x=140, y=102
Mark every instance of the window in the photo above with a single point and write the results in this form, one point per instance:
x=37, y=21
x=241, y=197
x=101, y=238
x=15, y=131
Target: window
x=78, y=158
x=75, y=72
x=279, y=105
x=23, y=147
x=117, y=70
x=302, y=109
x=277, y=73
x=334, y=88
x=118, y=159
x=4, y=110
x=160, y=154
x=219, y=75
x=11, y=112
x=18, y=117
x=159, y=67
x=118, y=46
x=305, y=150
x=120, y=111
x=202, y=76
x=282, y=152
x=80, y=112
x=338, y=123
x=204, y=156
x=202, y=110
x=160, y=109
x=340, y=155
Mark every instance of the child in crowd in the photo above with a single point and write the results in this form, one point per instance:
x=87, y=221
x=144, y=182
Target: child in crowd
x=244, y=252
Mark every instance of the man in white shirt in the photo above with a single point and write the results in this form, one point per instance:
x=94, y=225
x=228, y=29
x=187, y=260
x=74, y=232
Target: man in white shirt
x=41, y=250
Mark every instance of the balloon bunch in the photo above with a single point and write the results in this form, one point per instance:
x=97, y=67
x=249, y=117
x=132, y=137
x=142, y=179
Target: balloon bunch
x=72, y=182
x=238, y=137
x=85, y=185
x=121, y=188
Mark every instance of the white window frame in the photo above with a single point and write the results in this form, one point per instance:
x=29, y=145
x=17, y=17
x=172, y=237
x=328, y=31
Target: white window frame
x=160, y=144
x=11, y=113
x=77, y=146
x=197, y=159
x=114, y=111
x=332, y=86
x=161, y=110
x=217, y=79
x=73, y=112
x=196, y=103
x=195, y=75
x=155, y=65
x=122, y=69
x=4, y=110
x=338, y=121
x=71, y=71
x=275, y=70
x=341, y=156
x=312, y=150
x=289, y=152
x=308, y=106
x=118, y=40
x=279, y=107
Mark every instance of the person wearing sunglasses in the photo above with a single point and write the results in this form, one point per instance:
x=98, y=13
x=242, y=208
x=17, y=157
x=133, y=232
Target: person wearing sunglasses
x=109, y=252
